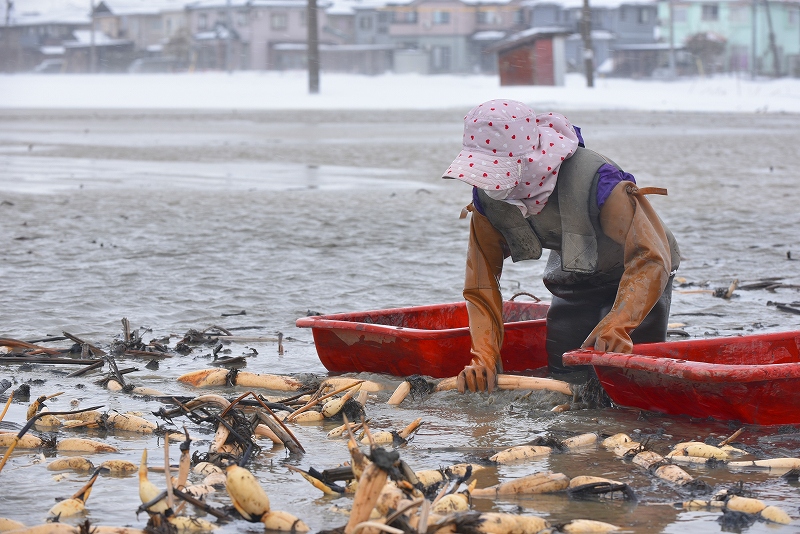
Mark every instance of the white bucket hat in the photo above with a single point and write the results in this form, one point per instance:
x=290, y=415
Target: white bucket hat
x=513, y=153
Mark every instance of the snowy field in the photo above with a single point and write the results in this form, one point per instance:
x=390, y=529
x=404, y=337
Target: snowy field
x=289, y=90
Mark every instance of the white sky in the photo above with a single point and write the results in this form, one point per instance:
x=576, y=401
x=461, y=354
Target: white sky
x=289, y=90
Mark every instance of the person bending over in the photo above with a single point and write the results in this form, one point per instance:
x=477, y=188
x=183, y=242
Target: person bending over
x=535, y=185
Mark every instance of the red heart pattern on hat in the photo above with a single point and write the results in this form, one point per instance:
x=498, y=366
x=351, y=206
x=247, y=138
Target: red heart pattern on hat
x=504, y=124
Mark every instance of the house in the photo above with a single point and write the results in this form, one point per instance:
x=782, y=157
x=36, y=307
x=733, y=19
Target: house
x=97, y=53
x=363, y=46
x=141, y=22
x=614, y=23
x=532, y=57
x=628, y=37
x=155, y=27
x=261, y=34
x=371, y=23
x=734, y=35
x=28, y=38
x=217, y=34
x=439, y=36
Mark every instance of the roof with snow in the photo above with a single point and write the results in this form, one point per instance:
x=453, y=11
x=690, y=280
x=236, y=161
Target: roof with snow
x=608, y=4
x=349, y=7
x=199, y=4
x=52, y=50
x=476, y=2
x=597, y=35
x=84, y=38
x=218, y=32
x=526, y=36
x=467, y=2
x=221, y=4
x=488, y=35
x=142, y=7
x=301, y=47
x=30, y=12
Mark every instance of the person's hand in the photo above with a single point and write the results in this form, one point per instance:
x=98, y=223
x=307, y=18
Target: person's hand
x=609, y=337
x=628, y=218
x=477, y=377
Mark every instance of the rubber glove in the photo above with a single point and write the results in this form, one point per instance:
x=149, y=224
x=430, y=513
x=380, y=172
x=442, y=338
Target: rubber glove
x=628, y=218
x=485, y=254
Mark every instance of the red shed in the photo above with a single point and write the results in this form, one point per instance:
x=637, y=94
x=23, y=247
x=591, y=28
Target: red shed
x=532, y=57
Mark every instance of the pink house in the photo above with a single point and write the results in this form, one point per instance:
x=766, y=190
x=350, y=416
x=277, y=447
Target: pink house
x=451, y=35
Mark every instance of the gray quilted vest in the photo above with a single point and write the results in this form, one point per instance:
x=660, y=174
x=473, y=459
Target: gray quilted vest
x=569, y=225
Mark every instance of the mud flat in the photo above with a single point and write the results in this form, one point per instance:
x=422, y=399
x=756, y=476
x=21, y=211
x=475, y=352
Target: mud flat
x=179, y=220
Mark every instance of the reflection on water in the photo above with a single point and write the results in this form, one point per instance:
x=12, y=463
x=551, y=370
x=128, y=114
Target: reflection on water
x=212, y=215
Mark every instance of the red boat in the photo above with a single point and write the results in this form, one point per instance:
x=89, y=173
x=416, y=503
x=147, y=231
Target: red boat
x=427, y=340
x=752, y=379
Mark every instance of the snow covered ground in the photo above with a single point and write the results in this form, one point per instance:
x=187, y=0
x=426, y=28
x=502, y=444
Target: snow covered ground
x=289, y=90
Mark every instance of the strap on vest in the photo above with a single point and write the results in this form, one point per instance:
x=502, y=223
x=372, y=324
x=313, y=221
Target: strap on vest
x=631, y=189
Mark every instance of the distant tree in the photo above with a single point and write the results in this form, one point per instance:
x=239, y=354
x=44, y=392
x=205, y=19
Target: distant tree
x=707, y=48
x=179, y=46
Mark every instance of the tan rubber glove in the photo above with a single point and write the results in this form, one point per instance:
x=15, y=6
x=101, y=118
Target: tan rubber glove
x=628, y=218
x=485, y=255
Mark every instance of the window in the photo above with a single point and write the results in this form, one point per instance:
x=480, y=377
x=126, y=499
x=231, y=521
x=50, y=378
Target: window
x=710, y=12
x=202, y=21
x=278, y=21
x=488, y=17
x=441, y=17
x=303, y=18
x=241, y=18
x=404, y=17
x=645, y=15
x=519, y=17
x=680, y=14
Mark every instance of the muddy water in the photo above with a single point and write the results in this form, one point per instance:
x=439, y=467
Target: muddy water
x=175, y=220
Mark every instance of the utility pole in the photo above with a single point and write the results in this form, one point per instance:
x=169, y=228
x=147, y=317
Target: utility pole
x=776, y=64
x=753, y=44
x=92, y=51
x=312, y=47
x=588, y=51
x=228, y=37
x=7, y=62
x=672, y=71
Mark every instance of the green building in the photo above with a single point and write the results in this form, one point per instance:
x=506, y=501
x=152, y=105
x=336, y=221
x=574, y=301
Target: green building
x=759, y=37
